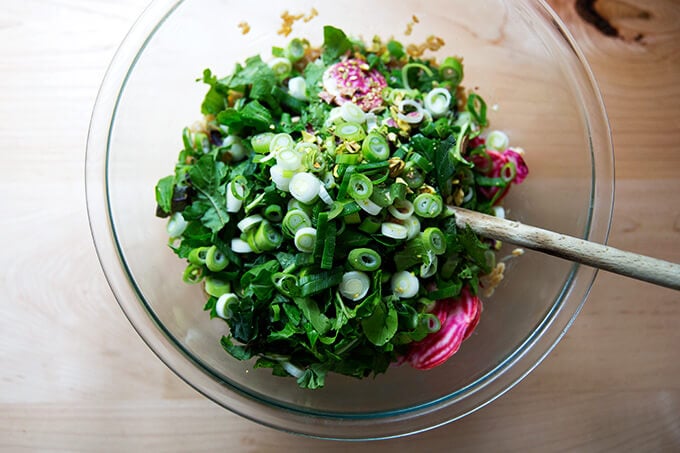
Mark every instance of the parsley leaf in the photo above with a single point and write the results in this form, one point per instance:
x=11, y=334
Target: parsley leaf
x=257, y=75
x=313, y=75
x=314, y=377
x=214, y=100
x=257, y=282
x=335, y=44
x=164, y=192
x=206, y=177
x=253, y=114
x=237, y=351
x=443, y=163
x=381, y=326
x=310, y=310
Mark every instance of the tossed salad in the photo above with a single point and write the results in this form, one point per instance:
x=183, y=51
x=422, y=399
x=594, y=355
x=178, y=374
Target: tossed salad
x=311, y=204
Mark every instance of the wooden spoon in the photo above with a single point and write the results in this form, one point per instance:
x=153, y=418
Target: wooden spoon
x=640, y=267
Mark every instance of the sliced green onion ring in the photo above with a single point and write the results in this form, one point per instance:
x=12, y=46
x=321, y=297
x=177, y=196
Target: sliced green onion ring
x=477, y=108
x=281, y=177
x=193, y=274
x=281, y=67
x=325, y=196
x=375, y=148
x=305, y=238
x=429, y=266
x=176, y=225
x=497, y=140
x=197, y=256
x=297, y=87
x=296, y=49
x=360, y=186
x=364, y=259
x=222, y=306
x=352, y=113
x=216, y=287
x=394, y=230
x=238, y=245
x=354, y=285
x=408, y=67
x=412, y=224
x=261, y=142
x=508, y=172
x=215, y=260
x=273, y=213
x=437, y=102
x=288, y=159
x=431, y=322
x=304, y=187
x=286, y=283
x=280, y=142
x=428, y=205
x=295, y=220
x=249, y=222
x=351, y=132
x=413, y=116
x=451, y=70
x=434, y=239
x=266, y=238
x=368, y=206
x=401, y=209
x=404, y=284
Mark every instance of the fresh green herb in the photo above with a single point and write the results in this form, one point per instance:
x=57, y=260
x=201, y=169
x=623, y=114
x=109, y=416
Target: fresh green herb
x=312, y=205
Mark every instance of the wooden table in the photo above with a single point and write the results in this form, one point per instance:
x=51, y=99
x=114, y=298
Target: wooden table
x=75, y=376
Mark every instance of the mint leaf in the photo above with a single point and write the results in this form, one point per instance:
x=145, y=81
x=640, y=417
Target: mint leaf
x=335, y=44
x=164, y=191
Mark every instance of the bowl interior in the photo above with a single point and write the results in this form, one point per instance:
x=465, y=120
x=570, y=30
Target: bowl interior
x=538, y=93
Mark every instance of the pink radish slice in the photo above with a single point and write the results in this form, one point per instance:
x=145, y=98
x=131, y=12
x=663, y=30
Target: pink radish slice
x=458, y=318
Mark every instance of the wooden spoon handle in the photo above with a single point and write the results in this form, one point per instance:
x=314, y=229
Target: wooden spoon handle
x=640, y=267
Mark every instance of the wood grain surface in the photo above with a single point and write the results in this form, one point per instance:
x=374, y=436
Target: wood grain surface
x=74, y=376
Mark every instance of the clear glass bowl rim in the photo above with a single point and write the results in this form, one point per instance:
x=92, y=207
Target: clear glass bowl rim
x=325, y=425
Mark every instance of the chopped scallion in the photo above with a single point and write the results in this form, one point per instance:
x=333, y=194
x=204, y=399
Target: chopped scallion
x=222, y=306
x=295, y=220
x=215, y=260
x=360, y=186
x=249, y=222
x=216, y=287
x=394, y=230
x=404, y=284
x=304, y=187
x=364, y=259
x=351, y=132
x=375, y=148
x=305, y=238
x=354, y=285
x=401, y=209
x=428, y=205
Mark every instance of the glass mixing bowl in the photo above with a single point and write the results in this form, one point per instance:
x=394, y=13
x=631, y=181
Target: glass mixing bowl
x=542, y=93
